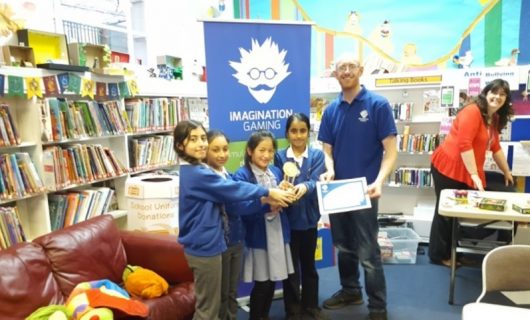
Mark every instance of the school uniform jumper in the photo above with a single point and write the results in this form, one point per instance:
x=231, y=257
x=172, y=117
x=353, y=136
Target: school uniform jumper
x=268, y=257
x=202, y=191
x=303, y=218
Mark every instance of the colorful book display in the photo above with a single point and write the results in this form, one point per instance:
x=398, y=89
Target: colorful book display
x=18, y=176
x=151, y=151
x=8, y=132
x=416, y=177
x=11, y=231
x=63, y=119
x=78, y=164
x=147, y=115
x=68, y=208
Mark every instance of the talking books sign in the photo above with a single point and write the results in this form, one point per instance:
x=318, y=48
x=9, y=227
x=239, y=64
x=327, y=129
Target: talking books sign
x=258, y=75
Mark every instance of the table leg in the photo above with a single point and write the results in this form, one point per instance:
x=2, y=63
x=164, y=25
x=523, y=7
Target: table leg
x=453, y=260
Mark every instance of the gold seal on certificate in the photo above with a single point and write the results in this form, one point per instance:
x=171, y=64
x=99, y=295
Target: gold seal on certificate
x=290, y=171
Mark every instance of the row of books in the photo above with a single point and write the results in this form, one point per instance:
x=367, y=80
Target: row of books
x=151, y=151
x=65, y=119
x=79, y=163
x=402, y=111
x=424, y=142
x=75, y=206
x=8, y=131
x=152, y=114
x=418, y=177
x=18, y=176
x=11, y=231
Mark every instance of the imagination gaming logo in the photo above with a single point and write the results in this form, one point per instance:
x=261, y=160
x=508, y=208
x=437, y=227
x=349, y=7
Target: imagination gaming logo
x=261, y=69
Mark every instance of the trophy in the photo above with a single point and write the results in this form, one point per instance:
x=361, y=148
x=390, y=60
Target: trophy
x=290, y=172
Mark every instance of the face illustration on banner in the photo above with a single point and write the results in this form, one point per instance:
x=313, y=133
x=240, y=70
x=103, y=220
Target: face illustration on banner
x=261, y=69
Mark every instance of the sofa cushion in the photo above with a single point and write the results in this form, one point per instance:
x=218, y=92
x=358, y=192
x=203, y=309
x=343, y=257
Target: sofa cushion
x=178, y=304
x=87, y=251
x=26, y=281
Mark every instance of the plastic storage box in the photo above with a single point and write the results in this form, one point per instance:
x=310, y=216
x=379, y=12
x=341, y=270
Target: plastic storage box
x=398, y=245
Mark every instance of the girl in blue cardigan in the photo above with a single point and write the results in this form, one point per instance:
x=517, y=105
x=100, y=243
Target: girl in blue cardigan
x=303, y=214
x=268, y=258
x=217, y=157
x=201, y=197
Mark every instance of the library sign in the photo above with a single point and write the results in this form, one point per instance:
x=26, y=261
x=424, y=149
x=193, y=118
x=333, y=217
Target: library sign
x=409, y=81
x=257, y=76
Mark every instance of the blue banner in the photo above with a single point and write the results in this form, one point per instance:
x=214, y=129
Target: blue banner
x=258, y=75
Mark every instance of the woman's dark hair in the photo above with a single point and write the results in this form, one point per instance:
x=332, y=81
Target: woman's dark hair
x=255, y=139
x=180, y=134
x=296, y=116
x=505, y=112
x=212, y=134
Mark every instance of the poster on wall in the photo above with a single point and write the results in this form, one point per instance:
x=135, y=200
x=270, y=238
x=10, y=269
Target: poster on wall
x=258, y=76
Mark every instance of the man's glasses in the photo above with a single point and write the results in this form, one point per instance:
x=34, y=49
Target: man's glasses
x=350, y=66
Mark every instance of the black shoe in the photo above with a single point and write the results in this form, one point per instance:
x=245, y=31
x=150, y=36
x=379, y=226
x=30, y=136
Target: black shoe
x=314, y=314
x=377, y=315
x=341, y=299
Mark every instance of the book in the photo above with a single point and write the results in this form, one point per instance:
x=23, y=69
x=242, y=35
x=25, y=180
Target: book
x=492, y=204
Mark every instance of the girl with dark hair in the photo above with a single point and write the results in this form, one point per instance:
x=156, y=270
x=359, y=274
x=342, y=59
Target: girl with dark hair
x=202, y=195
x=268, y=255
x=217, y=157
x=458, y=163
x=304, y=213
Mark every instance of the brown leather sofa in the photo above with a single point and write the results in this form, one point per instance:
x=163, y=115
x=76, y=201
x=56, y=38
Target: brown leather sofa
x=46, y=270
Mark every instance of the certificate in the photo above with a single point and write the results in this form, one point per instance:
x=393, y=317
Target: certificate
x=343, y=195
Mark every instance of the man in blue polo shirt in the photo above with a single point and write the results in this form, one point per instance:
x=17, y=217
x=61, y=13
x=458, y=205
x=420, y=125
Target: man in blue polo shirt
x=358, y=133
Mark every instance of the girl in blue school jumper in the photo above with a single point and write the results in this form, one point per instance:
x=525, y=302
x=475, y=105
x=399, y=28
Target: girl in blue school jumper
x=201, y=195
x=217, y=157
x=303, y=214
x=268, y=256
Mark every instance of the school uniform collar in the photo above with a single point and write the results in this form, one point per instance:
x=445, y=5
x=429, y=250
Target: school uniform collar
x=258, y=172
x=223, y=173
x=290, y=153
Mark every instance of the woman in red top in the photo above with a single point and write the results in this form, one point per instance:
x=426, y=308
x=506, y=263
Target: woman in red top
x=458, y=163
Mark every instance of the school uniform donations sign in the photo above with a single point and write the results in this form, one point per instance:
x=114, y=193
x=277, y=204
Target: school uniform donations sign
x=258, y=75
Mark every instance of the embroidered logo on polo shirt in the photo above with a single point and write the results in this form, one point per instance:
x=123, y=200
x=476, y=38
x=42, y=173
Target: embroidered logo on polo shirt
x=261, y=68
x=364, y=116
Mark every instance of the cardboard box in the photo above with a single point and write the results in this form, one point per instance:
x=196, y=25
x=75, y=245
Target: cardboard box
x=152, y=203
x=47, y=47
x=492, y=204
x=170, y=61
x=521, y=207
x=96, y=57
x=18, y=56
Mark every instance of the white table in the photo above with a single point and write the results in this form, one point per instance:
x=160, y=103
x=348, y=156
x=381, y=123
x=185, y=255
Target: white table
x=449, y=208
x=481, y=311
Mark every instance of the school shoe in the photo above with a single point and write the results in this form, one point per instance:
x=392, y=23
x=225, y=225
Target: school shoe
x=377, y=315
x=314, y=314
x=341, y=299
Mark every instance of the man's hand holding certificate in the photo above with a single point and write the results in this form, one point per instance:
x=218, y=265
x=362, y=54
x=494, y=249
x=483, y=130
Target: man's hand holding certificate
x=343, y=195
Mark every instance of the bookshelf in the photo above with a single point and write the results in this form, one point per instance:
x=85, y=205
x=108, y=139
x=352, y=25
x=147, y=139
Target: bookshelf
x=115, y=143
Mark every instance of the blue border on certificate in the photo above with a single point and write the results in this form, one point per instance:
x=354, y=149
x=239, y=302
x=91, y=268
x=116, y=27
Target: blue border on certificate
x=343, y=195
